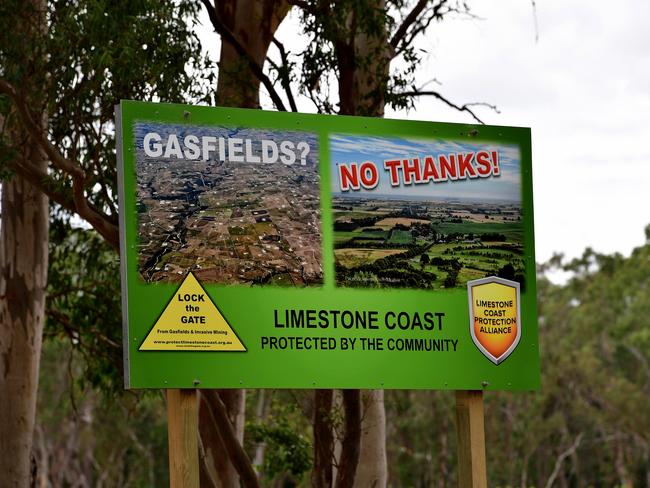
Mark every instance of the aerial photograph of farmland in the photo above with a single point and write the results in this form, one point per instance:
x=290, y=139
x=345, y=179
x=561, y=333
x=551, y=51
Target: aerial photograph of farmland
x=229, y=222
x=433, y=236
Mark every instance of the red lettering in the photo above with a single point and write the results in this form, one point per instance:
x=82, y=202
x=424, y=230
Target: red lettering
x=411, y=169
x=430, y=171
x=369, y=176
x=484, y=165
x=465, y=165
x=447, y=167
x=495, y=162
x=393, y=165
x=348, y=177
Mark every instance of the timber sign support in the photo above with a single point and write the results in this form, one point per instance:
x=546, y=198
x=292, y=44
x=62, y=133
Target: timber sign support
x=472, y=467
x=281, y=250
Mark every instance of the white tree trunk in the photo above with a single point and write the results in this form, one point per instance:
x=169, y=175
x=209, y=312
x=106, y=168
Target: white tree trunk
x=372, y=469
x=23, y=278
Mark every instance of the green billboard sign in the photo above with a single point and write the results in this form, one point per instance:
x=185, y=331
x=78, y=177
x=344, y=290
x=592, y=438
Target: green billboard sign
x=281, y=250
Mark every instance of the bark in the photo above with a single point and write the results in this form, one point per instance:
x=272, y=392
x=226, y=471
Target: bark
x=260, y=413
x=211, y=446
x=218, y=467
x=443, y=461
x=364, y=68
x=235, y=403
x=372, y=470
x=363, y=77
x=350, y=446
x=23, y=280
x=338, y=433
x=253, y=23
x=323, y=439
x=224, y=426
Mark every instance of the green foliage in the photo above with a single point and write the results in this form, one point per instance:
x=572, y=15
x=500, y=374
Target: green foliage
x=590, y=421
x=83, y=437
x=83, y=302
x=332, y=29
x=103, y=52
x=421, y=445
x=88, y=57
x=287, y=450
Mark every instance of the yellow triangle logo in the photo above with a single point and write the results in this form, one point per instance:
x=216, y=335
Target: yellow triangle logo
x=191, y=322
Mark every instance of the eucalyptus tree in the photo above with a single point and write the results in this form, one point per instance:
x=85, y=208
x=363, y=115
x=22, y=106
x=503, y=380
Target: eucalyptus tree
x=63, y=67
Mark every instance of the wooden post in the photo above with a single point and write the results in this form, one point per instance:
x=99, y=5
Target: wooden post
x=472, y=469
x=182, y=431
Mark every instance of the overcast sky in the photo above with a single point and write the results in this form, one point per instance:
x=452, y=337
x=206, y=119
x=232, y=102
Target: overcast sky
x=584, y=89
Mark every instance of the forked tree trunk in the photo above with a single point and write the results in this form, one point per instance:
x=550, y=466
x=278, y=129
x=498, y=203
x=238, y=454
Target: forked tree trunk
x=253, y=23
x=218, y=465
x=23, y=280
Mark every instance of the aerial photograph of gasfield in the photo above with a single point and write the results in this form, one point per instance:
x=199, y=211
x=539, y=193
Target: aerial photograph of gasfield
x=228, y=221
x=433, y=235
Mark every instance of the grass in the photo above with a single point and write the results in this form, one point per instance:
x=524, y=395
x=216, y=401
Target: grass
x=240, y=230
x=398, y=236
x=390, y=222
x=374, y=233
x=177, y=258
x=344, y=235
x=263, y=228
x=353, y=214
x=473, y=266
x=351, y=258
x=512, y=230
x=477, y=258
x=359, y=234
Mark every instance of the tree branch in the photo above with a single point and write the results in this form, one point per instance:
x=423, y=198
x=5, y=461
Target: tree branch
x=205, y=475
x=228, y=36
x=420, y=27
x=236, y=452
x=560, y=459
x=284, y=73
x=97, y=219
x=409, y=20
x=44, y=183
x=419, y=19
x=461, y=108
